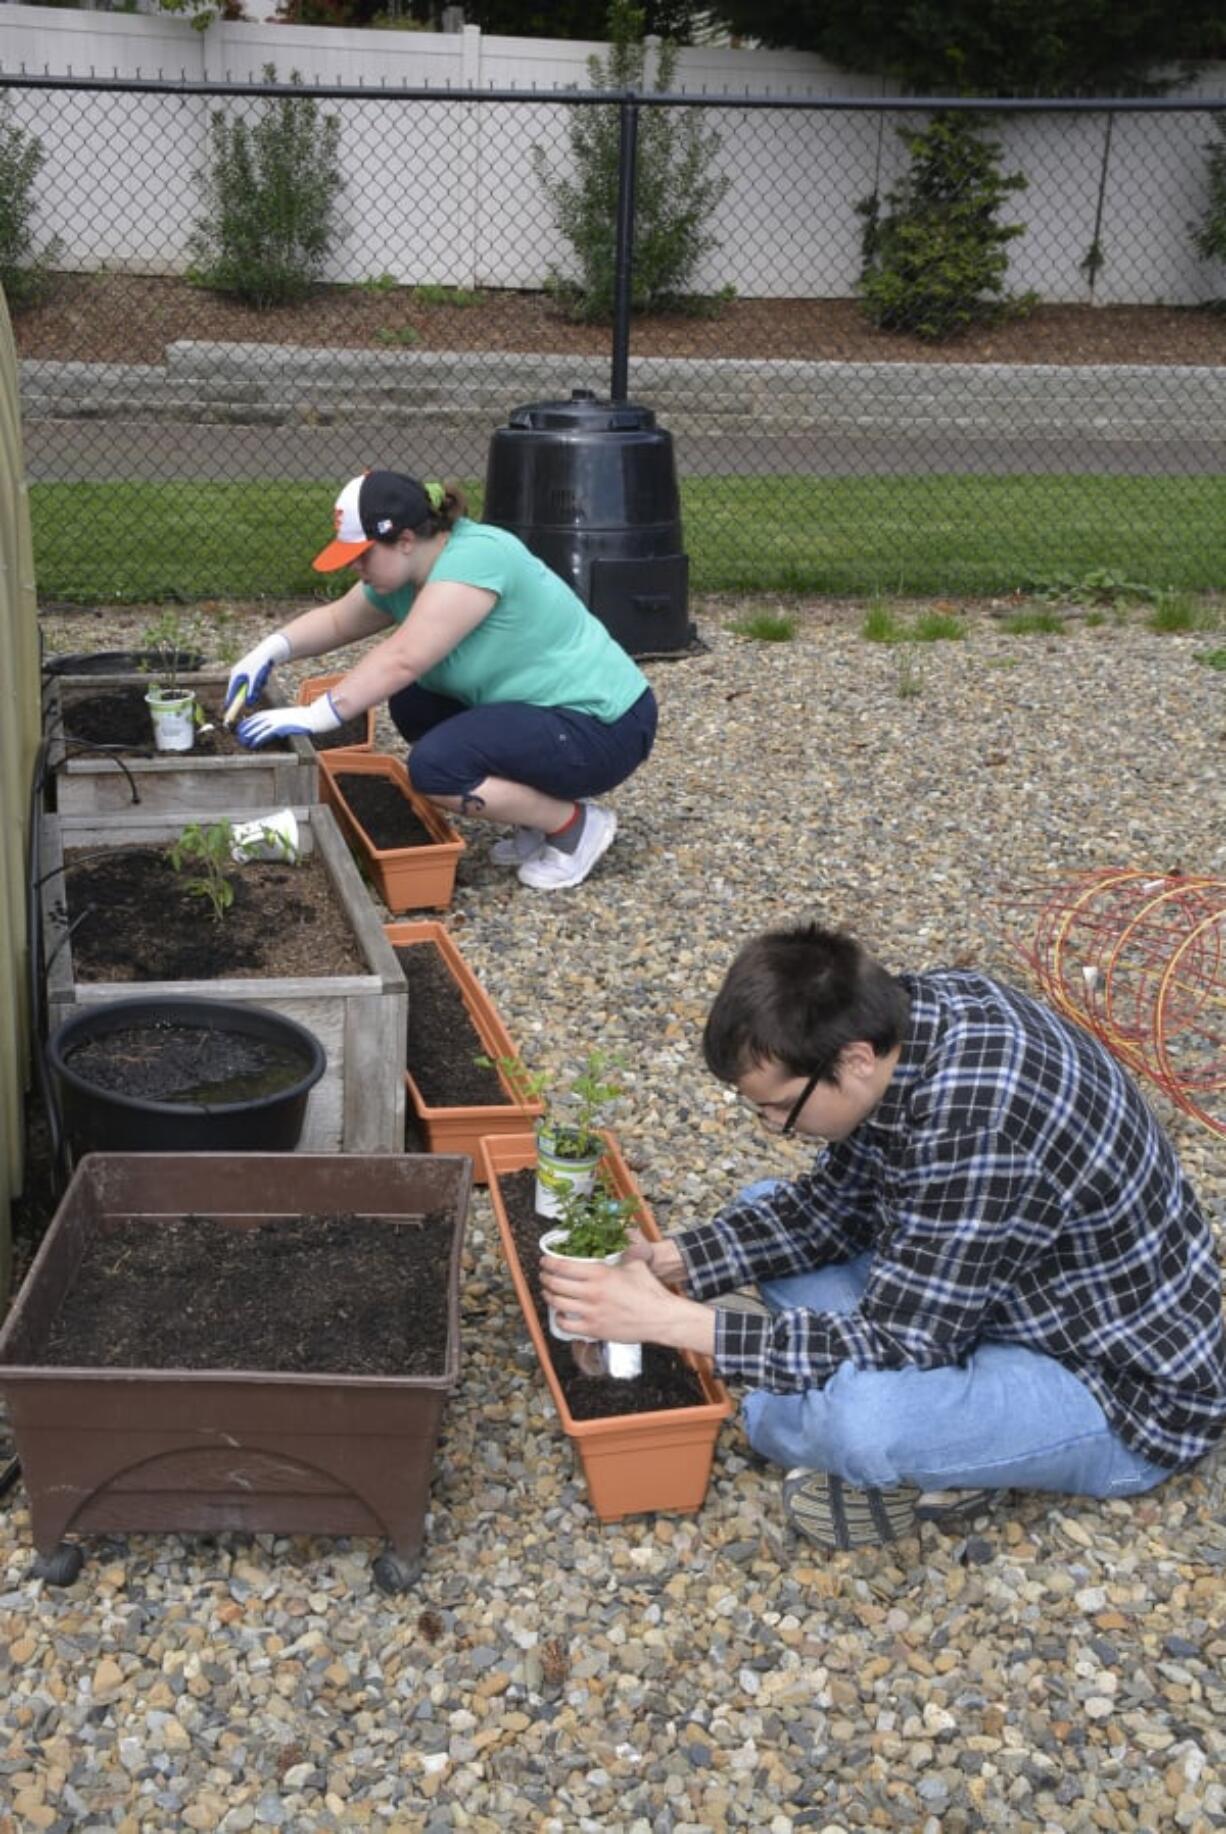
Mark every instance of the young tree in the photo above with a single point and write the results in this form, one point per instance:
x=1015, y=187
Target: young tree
x=936, y=260
x=1211, y=232
x=23, y=266
x=676, y=186
x=271, y=195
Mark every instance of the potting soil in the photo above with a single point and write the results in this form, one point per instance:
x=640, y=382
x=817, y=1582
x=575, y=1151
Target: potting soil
x=337, y=1295
x=135, y=920
x=165, y=1061
x=383, y=812
x=443, y=1043
x=666, y=1381
x=118, y=717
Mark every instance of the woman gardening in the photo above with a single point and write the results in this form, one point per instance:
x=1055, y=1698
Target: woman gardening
x=517, y=703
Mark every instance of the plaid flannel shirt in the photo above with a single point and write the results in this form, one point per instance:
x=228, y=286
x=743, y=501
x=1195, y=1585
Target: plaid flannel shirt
x=1013, y=1187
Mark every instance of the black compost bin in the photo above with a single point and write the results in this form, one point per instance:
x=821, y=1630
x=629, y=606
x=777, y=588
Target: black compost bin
x=591, y=487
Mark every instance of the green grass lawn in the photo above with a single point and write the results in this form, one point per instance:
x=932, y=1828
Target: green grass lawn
x=855, y=536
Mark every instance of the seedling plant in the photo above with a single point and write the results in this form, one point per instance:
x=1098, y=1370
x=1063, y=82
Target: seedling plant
x=597, y=1223
x=208, y=851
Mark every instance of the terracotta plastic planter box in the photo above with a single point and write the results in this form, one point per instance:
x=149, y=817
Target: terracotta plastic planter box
x=633, y=1463
x=89, y=782
x=360, y=1019
x=461, y=1130
x=122, y=1450
x=310, y=690
x=407, y=878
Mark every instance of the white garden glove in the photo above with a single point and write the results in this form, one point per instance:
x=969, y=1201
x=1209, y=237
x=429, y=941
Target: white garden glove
x=258, y=728
x=250, y=672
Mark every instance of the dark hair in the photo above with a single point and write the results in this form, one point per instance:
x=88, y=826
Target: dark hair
x=454, y=504
x=800, y=997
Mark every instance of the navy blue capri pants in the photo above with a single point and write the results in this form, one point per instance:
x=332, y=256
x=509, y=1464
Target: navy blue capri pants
x=551, y=749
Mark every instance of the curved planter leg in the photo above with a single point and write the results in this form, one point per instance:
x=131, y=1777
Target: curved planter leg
x=61, y=1567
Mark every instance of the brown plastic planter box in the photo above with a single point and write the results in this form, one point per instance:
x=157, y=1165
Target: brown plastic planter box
x=407, y=878
x=633, y=1462
x=124, y=1450
x=89, y=782
x=461, y=1130
x=360, y=1019
x=310, y=690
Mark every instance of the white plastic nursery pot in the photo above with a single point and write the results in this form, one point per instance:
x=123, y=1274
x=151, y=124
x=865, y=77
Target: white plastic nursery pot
x=622, y=1360
x=268, y=837
x=174, y=719
x=577, y=1176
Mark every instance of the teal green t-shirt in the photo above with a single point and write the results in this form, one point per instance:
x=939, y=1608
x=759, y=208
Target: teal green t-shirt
x=540, y=644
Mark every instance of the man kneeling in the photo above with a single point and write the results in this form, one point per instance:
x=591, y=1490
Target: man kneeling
x=995, y=1276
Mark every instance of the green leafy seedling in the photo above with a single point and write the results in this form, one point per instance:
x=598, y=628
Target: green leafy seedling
x=208, y=850
x=597, y=1223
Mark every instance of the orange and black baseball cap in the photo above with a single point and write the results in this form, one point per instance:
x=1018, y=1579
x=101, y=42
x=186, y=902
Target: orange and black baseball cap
x=374, y=507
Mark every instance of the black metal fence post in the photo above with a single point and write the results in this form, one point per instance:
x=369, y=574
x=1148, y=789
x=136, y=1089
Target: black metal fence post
x=619, y=386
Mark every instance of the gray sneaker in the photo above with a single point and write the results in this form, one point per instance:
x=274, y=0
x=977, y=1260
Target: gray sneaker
x=523, y=844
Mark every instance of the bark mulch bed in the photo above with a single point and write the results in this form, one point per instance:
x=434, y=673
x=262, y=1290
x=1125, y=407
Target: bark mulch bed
x=443, y=1043
x=127, y=318
x=666, y=1381
x=163, y=1061
x=347, y=1295
x=382, y=811
x=143, y=925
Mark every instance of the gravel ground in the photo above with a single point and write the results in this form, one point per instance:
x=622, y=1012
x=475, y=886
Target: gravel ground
x=1060, y=1668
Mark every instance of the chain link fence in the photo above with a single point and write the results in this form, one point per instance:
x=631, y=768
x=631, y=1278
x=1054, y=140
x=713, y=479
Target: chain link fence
x=183, y=442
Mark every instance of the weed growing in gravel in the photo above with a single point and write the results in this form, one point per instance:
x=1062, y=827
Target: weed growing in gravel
x=1100, y=586
x=1212, y=659
x=1179, y=611
x=909, y=680
x=403, y=334
x=881, y=626
x=766, y=626
x=937, y=627
x=1036, y=623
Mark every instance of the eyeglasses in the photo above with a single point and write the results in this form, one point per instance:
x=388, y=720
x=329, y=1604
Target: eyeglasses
x=763, y=1110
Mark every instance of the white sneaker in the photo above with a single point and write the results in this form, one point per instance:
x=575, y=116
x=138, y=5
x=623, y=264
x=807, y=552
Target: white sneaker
x=523, y=845
x=551, y=869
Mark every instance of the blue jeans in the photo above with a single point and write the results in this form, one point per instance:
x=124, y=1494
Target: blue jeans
x=1007, y=1418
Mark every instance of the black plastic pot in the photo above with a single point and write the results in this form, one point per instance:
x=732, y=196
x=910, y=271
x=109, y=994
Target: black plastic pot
x=97, y=1119
x=118, y=662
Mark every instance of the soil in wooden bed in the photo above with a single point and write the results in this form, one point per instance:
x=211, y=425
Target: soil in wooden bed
x=666, y=1382
x=164, y=1061
x=381, y=810
x=443, y=1043
x=339, y=1294
x=118, y=718
x=134, y=920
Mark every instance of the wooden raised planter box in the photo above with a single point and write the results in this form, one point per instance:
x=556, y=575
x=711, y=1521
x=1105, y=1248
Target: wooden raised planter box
x=459, y=1129
x=633, y=1463
x=407, y=878
x=110, y=1449
x=360, y=1019
x=89, y=782
x=335, y=743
